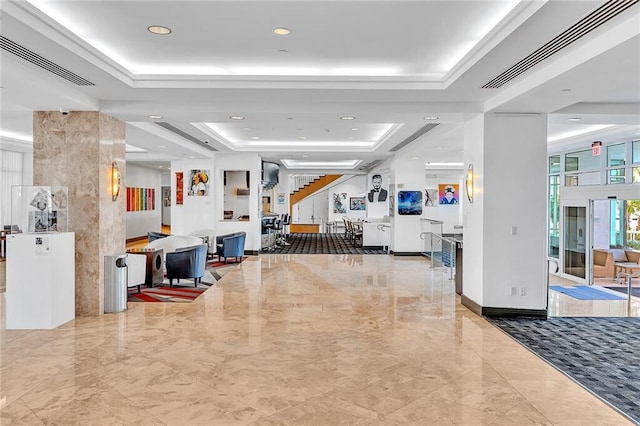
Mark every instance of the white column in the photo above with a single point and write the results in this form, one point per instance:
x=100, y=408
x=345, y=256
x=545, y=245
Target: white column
x=406, y=175
x=505, y=226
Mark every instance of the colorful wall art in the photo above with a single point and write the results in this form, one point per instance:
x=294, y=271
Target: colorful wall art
x=179, y=188
x=410, y=202
x=141, y=199
x=339, y=202
x=199, y=183
x=357, y=203
x=448, y=193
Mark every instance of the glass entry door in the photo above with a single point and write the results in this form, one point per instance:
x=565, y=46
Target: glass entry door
x=575, y=241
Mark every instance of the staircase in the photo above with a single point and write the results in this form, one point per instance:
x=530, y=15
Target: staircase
x=314, y=185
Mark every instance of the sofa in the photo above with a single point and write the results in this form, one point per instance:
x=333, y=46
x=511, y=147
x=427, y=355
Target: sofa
x=608, y=262
x=230, y=245
x=186, y=262
x=602, y=263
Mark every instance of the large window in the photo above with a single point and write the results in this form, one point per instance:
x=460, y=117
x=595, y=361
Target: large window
x=635, y=147
x=615, y=164
x=554, y=216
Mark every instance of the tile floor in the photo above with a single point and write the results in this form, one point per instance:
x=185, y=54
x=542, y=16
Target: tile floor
x=291, y=340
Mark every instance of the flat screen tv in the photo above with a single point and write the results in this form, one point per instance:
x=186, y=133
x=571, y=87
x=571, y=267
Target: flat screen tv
x=270, y=173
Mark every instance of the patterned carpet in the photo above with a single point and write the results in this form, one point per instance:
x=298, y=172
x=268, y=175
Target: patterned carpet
x=322, y=244
x=601, y=354
x=184, y=291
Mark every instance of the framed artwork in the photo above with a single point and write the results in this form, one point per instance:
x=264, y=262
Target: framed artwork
x=339, y=201
x=179, y=188
x=430, y=197
x=357, y=203
x=448, y=193
x=410, y=202
x=198, y=183
x=280, y=198
x=141, y=199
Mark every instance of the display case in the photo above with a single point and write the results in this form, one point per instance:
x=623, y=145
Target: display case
x=39, y=208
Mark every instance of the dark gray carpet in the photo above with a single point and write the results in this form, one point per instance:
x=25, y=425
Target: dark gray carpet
x=602, y=354
x=635, y=291
x=322, y=244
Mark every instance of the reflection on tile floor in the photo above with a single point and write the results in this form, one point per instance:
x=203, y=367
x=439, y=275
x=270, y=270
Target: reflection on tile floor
x=561, y=305
x=291, y=340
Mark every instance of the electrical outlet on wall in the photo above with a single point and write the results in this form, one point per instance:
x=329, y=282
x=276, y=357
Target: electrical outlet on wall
x=523, y=291
x=513, y=291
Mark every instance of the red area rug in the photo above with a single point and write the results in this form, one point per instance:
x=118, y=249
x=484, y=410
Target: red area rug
x=164, y=293
x=184, y=292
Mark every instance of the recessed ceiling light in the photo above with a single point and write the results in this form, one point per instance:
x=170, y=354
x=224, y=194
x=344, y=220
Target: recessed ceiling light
x=154, y=117
x=438, y=147
x=347, y=117
x=355, y=129
x=575, y=119
x=159, y=30
x=160, y=167
x=431, y=117
x=192, y=157
x=246, y=128
x=255, y=137
x=161, y=146
x=282, y=31
x=236, y=117
x=289, y=118
x=283, y=51
x=414, y=158
x=565, y=90
x=302, y=137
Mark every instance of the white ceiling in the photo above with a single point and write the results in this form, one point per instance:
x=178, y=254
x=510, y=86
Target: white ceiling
x=389, y=64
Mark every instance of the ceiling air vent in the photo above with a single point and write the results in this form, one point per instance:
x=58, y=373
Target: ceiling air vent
x=184, y=134
x=590, y=22
x=415, y=136
x=43, y=63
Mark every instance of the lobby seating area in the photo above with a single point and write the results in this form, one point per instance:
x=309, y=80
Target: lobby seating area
x=230, y=246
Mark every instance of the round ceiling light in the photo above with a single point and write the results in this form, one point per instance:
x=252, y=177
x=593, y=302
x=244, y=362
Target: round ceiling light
x=347, y=117
x=236, y=117
x=255, y=138
x=154, y=117
x=282, y=31
x=574, y=119
x=159, y=30
x=431, y=117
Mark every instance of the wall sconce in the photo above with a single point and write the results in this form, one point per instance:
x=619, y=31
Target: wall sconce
x=468, y=183
x=115, y=181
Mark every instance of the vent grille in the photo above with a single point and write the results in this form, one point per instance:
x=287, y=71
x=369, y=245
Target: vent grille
x=184, y=134
x=590, y=22
x=415, y=136
x=43, y=63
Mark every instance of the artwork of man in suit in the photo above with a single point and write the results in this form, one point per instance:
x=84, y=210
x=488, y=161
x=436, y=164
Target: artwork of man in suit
x=377, y=193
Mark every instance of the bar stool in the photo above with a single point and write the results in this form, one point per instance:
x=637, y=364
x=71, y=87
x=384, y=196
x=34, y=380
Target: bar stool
x=269, y=224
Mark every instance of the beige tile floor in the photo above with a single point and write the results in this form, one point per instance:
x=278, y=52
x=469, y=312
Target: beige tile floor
x=291, y=340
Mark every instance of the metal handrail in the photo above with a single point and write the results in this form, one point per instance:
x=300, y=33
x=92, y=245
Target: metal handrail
x=629, y=278
x=382, y=227
x=452, y=254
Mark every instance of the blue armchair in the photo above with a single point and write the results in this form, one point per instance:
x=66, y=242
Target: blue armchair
x=230, y=245
x=187, y=262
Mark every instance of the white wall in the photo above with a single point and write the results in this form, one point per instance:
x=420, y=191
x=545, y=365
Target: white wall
x=196, y=213
x=406, y=229
x=139, y=223
x=504, y=229
x=356, y=186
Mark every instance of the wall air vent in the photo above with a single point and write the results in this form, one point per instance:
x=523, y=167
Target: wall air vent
x=43, y=63
x=590, y=22
x=184, y=134
x=415, y=136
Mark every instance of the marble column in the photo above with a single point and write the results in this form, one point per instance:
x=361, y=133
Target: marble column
x=77, y=150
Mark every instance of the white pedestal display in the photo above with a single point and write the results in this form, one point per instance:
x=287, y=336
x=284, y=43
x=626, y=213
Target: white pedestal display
x=40, y=280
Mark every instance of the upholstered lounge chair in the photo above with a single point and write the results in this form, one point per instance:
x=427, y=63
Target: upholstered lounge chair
x=151, y=236
x=186, y=262
x=230, y=245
